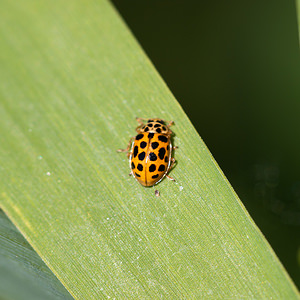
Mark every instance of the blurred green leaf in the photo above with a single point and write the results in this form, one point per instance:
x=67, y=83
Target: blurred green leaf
x=23, y=275
x=72, y=81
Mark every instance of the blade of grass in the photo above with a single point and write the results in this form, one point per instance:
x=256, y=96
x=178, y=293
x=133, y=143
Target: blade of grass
x=23, y=275
x=71, y=83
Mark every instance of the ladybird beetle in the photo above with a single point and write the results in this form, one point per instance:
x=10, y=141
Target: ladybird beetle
x=150, y=155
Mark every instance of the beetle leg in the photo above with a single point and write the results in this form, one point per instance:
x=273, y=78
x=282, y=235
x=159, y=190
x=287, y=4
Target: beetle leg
x=139, y=127
x=171, y=178
x=127, y=149
x=173, y=161
x=140, y=120
x=170, y=123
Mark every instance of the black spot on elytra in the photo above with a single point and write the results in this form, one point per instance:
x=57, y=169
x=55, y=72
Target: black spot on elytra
x=157, y=125
x=150, y=124
x=150, y=120
x=146, y=129
x=155, y=176
x=161, y=153
x=132, y=165
x=166, y=159
x=139, y=136
x=143, y=144
x=154, y=145
x=152, y=156
x=161, y=168
x=164, y=128
x=142, y=155
x=163, y=138
x=160, y=121
x=168, y=147
x=152, y=168
x=135, y=151
x=138, y=175
x=158, y=130
x=150, y=135
x=140, y=167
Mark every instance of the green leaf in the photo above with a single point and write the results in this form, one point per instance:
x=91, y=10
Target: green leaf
x=72, y=81
x=23, y=275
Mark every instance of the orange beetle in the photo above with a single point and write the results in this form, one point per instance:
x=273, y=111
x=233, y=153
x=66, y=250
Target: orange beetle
x=150, y=156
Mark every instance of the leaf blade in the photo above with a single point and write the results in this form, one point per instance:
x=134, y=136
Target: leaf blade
x=23, y=275
x=78, y=79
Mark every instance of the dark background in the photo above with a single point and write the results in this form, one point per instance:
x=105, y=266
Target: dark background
x=234, y=67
